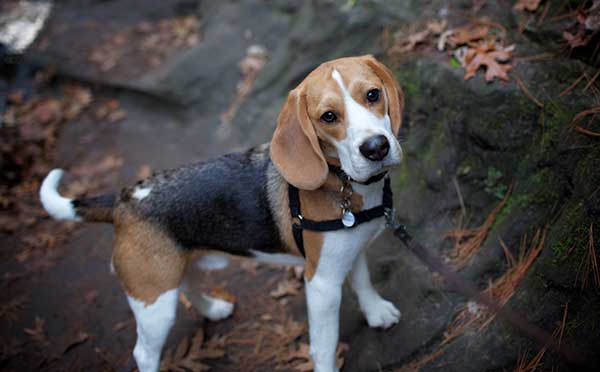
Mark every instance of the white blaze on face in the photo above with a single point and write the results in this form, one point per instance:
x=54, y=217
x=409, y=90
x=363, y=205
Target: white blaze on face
x=361, y=125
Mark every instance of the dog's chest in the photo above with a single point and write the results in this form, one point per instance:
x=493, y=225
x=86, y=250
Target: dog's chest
x=341, y=247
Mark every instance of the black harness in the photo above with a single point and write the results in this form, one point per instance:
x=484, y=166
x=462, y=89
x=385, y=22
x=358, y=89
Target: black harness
x=300, y=223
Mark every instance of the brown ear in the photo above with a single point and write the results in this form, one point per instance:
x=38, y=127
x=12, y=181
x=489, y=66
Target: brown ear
x=392, y=91
x=295, y=149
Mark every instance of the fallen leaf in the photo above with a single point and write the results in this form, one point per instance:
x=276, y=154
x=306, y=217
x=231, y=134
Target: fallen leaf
x=124, y=324
x=11, y=309
x=37, y=333
x=286, y=288
x=490, y=56
x=188, y=355
x=529, y=5
x=78, y=340
x=467, y=34
x=302, y=354
x=437, y=27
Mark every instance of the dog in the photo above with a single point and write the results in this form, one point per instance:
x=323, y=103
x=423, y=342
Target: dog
x=311, y=196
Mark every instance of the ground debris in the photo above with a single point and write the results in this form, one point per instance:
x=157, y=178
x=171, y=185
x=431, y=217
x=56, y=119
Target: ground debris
x=37, y=332
x=299, y=357
x=255, y=60
x=188, y=355
x=154, y=42
x=529, y=5
x=468, y=241
x=491, y=56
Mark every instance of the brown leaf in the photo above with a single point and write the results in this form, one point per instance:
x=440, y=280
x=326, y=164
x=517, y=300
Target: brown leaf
x=488, y=55
x=12, y=308
x=188, y=355
x=302, y=353
x=530, y=5
x=124, y=324
x=37, y=333
x=78, y=340
x=437, y=27
x=285, y=288
x=467, y=34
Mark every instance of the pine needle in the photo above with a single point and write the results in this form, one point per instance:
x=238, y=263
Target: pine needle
x=468, y=241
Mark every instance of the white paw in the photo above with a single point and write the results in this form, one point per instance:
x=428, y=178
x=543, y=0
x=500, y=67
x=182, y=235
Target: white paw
x=218, y=309
x=381, y=313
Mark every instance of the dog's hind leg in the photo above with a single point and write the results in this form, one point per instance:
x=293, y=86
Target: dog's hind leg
x=153, y=325
x=210, y=307
x=150, y=267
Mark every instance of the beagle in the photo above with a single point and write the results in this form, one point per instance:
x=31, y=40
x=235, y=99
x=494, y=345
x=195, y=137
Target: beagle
x=335, y=139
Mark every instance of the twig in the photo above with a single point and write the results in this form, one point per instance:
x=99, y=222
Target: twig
x=460, y=197
x=543, y=15
x=572, y=86
x=588, y=132
x=527, y=92
x=589, y=84
x=537, y=57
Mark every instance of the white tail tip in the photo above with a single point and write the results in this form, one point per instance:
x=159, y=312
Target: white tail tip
x=57, y=206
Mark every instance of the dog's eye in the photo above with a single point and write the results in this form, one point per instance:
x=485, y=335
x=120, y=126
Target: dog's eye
x=328, y=117
x=373, y=95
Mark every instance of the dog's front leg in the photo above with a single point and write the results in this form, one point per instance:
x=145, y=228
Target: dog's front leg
x=323, y=297
x=378, y=311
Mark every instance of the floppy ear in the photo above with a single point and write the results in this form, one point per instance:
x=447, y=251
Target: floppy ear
x=392, y=91
x=295, y=149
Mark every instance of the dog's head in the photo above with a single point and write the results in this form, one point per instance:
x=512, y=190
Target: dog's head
x=348, y=109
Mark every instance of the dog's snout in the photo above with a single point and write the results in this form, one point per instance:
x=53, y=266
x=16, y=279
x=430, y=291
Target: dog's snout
x=375, y=148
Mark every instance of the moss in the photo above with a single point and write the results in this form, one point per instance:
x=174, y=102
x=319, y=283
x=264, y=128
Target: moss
x=515, y=202
x=436, y=143
x=572, y=232
x=557, y=117
x=402, y=178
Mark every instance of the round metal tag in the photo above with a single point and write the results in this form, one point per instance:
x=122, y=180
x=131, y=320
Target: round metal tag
x=348, y=219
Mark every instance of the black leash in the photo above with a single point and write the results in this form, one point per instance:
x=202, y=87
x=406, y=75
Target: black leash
x=470, y=291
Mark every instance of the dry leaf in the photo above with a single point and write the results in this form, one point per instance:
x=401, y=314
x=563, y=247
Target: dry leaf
x=37, y=333
x=286, y=288
x=124, y=324
x=302, y=353
x=437, y=27
x=188, y=355
x=468, y=34
x=530, y=5
x=10, y=310
x=490, y=56
x=78, y=340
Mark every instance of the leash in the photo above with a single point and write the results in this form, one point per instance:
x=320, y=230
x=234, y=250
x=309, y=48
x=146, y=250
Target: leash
x=469, y=290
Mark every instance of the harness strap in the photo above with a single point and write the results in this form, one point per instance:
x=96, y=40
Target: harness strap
x=300, y=223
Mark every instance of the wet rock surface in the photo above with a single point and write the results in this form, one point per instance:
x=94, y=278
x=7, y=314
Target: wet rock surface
x=467, y=143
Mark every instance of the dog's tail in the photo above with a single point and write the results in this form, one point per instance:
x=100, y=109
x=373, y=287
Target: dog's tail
x=94, y=209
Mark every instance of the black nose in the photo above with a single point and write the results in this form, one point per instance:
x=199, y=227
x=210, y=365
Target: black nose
x=375, y=148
